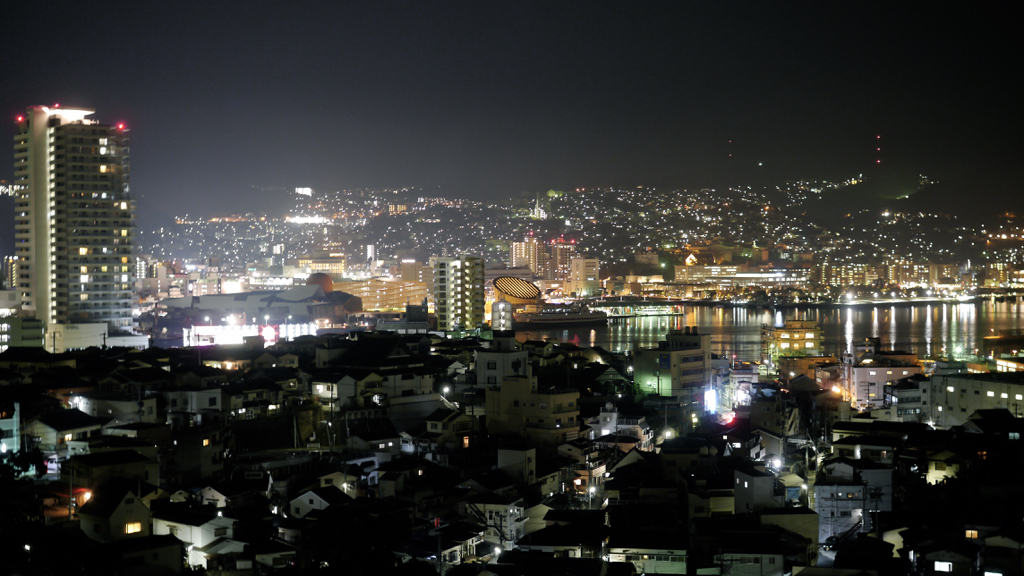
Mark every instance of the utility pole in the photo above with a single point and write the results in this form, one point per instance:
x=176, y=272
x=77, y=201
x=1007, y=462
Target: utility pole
x=71, y=489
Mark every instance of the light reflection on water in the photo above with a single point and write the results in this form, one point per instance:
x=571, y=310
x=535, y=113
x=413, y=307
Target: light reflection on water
x=923, y=329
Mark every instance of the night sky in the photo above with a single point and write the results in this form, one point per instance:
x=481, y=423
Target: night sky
x=229, y=100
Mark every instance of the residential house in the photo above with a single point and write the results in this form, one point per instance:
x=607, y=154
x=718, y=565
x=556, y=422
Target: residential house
x=114, y=512
x=317, y=499
x=50, y=432
x=92, y=470
x=846, y=491
x=118, y=407
x=204, y=532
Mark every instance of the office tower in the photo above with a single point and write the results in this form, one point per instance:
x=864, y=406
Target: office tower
x=73, y=224
x=526, y=254
x=459, y=292
x=584, y=277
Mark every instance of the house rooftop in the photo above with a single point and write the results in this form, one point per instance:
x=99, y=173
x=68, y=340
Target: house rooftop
x=72, y=419
x=112, y=458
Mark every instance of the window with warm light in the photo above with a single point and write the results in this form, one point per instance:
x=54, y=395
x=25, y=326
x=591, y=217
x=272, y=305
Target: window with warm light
x=206, y=441
x=133, y=527
x=970, y=534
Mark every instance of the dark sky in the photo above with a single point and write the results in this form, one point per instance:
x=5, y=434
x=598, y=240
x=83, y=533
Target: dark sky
x=485, y=99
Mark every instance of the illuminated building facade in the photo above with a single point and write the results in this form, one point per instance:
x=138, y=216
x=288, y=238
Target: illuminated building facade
x=459, y=292
x=74, y=218
x=794, y=338
x=386, y=295
x=10, y=272
x=584, y=277
x=526, y=254
x=562, y=253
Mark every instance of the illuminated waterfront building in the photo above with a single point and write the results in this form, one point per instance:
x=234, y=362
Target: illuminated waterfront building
x=680, y=368
x=794, y=338
x=584, y=277
x=74, y=224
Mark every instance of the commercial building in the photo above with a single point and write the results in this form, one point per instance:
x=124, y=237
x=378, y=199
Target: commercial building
x=795, y=337
x=584, y=277
x=459, y=292
x=949, y=400
x=680, y=367
x=869, y=373
x=385, y=295
x=74, y=218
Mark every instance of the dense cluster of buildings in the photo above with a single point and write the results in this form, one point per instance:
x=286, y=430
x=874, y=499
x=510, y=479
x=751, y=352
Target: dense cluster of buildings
x=508, y=454
x=295, y=406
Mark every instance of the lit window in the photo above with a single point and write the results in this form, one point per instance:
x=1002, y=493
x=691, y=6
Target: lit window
x=103, y=168
x=67, y=437
x=206, y=441
x=991, y=394
x=971, y=534
x=872, y=372
x=809, y=335
x=785, y=345
x=943, y=566
x=1004, y=395
x=949, y=388
x=83, y=251
x=133, y=527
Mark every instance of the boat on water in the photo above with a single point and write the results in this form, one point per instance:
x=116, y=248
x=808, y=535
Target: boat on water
x=573, y=314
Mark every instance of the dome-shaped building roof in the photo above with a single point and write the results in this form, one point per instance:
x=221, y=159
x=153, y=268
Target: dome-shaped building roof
x=516, y=290
x=322, y=280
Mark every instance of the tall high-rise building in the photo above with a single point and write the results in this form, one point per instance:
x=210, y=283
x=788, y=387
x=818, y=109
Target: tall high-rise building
x=459, y=292
x=526, y=254
x=74, y=218
x=562, y=253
